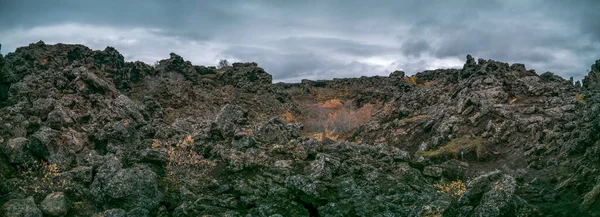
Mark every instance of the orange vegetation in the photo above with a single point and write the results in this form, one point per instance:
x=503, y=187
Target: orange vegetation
x=330, y=104
x=335, y=119
x=454, y=188
x=411, y=80
x=288, y=117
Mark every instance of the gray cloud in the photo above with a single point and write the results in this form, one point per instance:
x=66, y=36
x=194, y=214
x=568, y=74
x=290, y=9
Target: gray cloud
x=321, y=39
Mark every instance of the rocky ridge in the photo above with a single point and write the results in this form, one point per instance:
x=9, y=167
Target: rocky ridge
x=84, y=133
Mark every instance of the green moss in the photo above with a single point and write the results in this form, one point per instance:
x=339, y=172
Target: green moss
x=455, y=147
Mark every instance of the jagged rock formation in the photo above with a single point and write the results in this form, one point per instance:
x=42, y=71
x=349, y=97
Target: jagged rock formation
x=84, y=133
x=592, y=80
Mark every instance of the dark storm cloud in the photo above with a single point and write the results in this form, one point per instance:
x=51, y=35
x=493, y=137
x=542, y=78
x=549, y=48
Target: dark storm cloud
x=334, y=45
x=302, y=64
x=415, y=47
x=321, y=39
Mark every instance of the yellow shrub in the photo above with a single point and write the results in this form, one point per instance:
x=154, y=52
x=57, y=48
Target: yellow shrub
x=411, y=80
x=40, y=178
x=580, y=98
x=327, y=134
x=454, y=188
x=288, y=117
x=183, y=162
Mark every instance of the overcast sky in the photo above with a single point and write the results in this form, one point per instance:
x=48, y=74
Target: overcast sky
x=320, y=39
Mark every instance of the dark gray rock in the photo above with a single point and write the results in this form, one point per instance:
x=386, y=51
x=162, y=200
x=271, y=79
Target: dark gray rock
x=21, y=207
x=95, y=116
x=493, y=194
x=55, y=204
x=247, y=76
x=128, y=188
x=592, y=80
x=58, y=118
x=81, y=174
x=230, y=119
x=16, y=150
x=433, y=171
x=277, y=131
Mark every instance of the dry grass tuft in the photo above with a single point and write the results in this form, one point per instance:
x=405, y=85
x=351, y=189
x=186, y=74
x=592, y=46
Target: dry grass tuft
x=330, y=104
x=183, y=162
x=40, y=178
x=411, y=80
x=455, y=188
x=415, y=118
x=456, y=146
x=335, y=120
x=288, y=117
x=580, y=98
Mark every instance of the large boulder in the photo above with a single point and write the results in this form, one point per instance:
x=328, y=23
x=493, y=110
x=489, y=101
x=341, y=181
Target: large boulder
x=55, y=204
x=176, y=64
x=230, y=119
x=493, y=194
x=115, y=186
x=21, y=208
x=17, y=150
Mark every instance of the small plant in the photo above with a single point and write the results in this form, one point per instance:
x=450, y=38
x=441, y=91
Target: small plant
x=580, y=98
x=411, y=80
x=327, y=134
x=455, y=188
x=155, y=144
x=288, y=117
x=171, y=115
x=381, y=140
x=40, y=178
x=223, y=63
x=184, y=163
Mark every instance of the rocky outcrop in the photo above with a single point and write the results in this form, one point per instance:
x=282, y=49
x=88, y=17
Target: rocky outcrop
x=592, y=80
x=247, y=76
x=85, y=133
x=494, y=194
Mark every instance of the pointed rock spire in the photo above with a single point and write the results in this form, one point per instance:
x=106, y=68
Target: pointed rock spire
x=592, y=80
